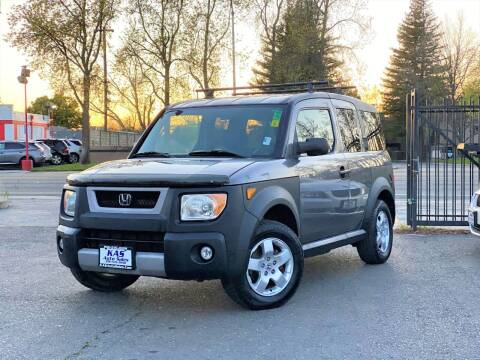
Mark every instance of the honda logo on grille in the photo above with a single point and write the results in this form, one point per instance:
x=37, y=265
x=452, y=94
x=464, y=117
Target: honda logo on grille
x=125, y=200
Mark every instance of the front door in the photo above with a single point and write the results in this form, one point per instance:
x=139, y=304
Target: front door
x=322, y=190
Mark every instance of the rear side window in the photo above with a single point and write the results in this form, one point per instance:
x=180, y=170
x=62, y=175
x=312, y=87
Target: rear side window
x=315, y=123
x=372, y=131
x=347, y=127
x=14, y=146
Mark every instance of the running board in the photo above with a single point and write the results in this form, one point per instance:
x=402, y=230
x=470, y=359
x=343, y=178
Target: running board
x=325, y=245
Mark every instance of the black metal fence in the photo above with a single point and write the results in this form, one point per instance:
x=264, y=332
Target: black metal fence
x=441, y=175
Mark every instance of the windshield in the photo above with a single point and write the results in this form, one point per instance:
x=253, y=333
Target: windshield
x=239, y=131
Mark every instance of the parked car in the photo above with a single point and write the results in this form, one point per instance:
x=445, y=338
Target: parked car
x=60, y=150
x=473, y=214
x=75, y=147
x=46, y=150
x=13, y=152
x=240, y=189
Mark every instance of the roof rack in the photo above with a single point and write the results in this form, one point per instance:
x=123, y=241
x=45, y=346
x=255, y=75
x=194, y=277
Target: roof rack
x=297, y=87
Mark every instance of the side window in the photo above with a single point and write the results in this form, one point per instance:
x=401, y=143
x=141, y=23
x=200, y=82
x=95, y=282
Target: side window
x=14, y=146
x=347, y=127
x=2, y=146
x=372, y=131
x=315, y=123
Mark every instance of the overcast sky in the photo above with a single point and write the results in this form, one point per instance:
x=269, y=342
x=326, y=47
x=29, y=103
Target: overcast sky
x=386, y=16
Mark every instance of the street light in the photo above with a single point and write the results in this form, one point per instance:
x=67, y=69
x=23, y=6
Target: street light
x=51, y=107
x=27, y=164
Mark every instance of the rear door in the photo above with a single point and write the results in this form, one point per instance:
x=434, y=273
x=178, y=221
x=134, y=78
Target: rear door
x=322, y=190
x=13, y=152
x=357, y=163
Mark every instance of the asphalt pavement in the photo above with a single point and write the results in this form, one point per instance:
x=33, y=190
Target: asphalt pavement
x=422, y=304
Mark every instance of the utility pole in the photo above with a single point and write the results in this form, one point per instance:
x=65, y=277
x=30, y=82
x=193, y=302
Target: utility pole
x=233, y=50
x=105, y=79
x=27, y=164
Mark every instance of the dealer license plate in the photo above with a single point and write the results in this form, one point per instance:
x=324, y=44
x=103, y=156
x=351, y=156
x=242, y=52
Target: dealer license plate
x=116, y=257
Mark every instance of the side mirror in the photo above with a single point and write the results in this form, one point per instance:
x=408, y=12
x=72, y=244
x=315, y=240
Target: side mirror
x=313, y=147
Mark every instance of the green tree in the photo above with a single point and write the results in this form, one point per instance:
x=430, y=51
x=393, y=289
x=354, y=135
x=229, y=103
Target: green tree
x=305, y=39
x=416, y=63
x=64, y=37
x=64, y=110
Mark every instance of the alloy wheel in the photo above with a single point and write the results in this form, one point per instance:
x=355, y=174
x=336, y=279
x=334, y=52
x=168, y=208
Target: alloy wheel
x=270, y=267
x=383, y=232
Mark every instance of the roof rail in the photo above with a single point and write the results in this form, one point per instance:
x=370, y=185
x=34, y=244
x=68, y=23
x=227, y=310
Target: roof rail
x=297, y=87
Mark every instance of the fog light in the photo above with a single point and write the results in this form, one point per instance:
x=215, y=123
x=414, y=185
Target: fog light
x=206, y=252
x=60, y=245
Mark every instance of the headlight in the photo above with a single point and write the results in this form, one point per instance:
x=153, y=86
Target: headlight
x=474, y=201
x=69, y=200
x=202, y=206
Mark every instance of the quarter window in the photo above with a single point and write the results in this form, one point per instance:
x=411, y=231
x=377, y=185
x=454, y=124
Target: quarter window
x=347, y=127
x=372, y=130
x=315, y=123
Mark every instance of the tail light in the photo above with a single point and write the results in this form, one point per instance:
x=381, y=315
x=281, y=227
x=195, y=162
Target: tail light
x=66, y=150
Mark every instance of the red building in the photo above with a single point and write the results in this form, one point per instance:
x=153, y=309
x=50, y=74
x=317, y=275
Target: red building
x=12, y=125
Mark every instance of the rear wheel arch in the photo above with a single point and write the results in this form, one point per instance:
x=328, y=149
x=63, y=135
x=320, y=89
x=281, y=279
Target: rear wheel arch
x=387, y=197
x=380, y=190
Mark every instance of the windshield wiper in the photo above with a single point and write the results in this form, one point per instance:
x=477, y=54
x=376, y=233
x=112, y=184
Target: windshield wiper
x=151, y=154
x=215, y=152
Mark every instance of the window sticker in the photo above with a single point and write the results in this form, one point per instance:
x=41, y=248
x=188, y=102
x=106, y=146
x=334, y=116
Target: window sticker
x=277, y=115
x=267, y=140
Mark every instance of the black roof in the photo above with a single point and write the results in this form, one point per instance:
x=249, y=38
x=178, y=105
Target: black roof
x=273, y=99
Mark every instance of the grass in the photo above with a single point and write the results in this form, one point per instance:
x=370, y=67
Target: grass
x=64, y=167
x=403, y=228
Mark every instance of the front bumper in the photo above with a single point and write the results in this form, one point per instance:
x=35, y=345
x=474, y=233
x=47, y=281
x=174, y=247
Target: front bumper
x=473, y=216
x=179, y=260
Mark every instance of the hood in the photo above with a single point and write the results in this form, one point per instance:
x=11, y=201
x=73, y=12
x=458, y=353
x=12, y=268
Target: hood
x=160, y=172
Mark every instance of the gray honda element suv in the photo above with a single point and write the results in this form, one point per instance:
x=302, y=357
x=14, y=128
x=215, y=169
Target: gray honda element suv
x=240, y=189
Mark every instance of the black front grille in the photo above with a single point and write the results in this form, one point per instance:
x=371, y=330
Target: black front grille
x=147, y=241
x=127, y=199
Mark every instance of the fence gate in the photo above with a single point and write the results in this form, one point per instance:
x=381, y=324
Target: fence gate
x=441, y=175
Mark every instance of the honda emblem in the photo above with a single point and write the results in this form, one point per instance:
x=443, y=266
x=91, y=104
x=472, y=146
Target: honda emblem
x=125, y=200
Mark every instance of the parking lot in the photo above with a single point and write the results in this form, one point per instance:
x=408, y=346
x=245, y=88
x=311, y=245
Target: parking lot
x=422, y=304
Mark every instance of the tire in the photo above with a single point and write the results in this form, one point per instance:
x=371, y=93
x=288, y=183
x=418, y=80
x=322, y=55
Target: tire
x=57, y=159
x=103, y=282
x=73, y=158
x=281, y=281
x=376, y=248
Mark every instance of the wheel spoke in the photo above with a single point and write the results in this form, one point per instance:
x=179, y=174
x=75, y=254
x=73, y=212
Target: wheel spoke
x=254, y=264
x=261, y=284
x=280, y=279
x=282, y=258
x=267, y=247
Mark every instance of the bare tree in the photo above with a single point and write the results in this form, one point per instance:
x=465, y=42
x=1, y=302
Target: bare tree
x=206, y=29
x=64, y=35
x=154, y=40
x=270, y=13
x=461, y=52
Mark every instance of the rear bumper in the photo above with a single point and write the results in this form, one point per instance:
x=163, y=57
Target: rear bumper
x=180, y=259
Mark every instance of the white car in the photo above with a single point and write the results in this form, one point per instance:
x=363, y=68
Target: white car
x=75, y=147
x=473, y=211
x=46, y=150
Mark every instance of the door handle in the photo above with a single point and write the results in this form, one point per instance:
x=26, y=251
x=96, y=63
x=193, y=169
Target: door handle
x=344, y=172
